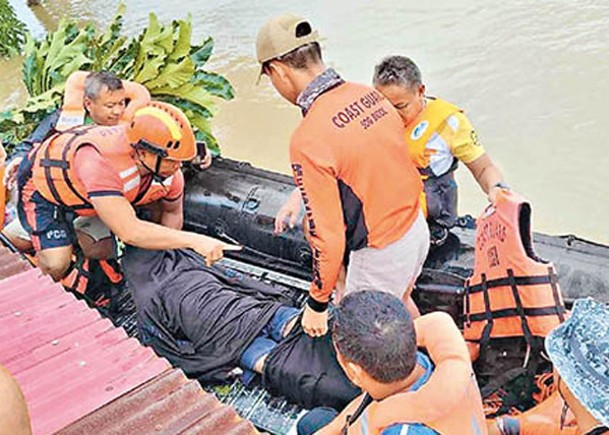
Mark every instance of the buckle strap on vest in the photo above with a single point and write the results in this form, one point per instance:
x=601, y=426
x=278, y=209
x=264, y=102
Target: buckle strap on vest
x=556, y=294
x=53, y=163
x=518, y=280
x=488, y=315
x=526, y=330
x=512, y=312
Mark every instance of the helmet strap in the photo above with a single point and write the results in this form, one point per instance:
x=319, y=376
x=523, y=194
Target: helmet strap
x=156, y=176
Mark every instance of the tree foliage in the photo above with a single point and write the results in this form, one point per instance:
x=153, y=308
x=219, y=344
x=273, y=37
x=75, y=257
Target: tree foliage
x=12, y=31
x=162, y=58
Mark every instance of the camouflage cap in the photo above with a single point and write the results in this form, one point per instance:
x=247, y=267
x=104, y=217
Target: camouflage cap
x=579, y=349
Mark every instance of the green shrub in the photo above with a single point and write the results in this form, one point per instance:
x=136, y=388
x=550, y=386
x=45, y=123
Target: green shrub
x=12, y=31
x=162, y=58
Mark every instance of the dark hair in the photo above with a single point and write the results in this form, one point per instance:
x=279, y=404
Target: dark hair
x=397, y=70
x=95, y=82
x=300, y=58
x=374, y=330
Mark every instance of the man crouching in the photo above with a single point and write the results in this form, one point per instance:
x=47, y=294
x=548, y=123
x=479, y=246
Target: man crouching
x=406, y=391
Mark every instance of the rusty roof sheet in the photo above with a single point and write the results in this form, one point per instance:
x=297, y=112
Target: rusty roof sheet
x=80, y=374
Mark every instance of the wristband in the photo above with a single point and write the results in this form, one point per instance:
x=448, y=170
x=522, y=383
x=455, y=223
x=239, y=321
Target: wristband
x=318, y=307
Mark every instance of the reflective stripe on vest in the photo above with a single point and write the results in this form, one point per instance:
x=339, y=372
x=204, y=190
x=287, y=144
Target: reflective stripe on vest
x=512, y=292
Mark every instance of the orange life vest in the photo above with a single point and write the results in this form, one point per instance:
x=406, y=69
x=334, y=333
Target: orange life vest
x=449, y=402
x=512, y=292
x=53, y=171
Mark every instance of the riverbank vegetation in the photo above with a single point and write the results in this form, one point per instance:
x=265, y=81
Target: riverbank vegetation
x=162, y=57
x=12, y=31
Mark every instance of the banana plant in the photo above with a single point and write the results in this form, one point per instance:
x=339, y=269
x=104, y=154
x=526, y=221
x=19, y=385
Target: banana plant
x=12, y=31
x=161, y=57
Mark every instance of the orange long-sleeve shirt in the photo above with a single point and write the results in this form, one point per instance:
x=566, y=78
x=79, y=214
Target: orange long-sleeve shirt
x=359, y=186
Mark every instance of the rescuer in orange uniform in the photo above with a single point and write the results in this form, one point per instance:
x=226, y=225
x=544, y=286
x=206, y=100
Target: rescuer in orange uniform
x=350, y=161
x=106, y=171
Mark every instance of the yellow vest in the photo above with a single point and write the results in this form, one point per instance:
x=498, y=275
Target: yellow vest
x=419, y=132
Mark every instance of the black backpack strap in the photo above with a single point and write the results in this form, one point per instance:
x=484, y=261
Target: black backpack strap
x=367, y=400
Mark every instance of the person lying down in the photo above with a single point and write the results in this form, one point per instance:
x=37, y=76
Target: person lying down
x=209, y=321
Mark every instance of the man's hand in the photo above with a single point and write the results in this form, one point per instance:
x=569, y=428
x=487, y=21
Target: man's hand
x=313, y=323
x=289, y=211
x=494, y=192
x=10, y=173
x=212, y=249
x=205, y=161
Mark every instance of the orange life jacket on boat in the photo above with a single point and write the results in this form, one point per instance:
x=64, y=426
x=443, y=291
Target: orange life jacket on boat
x=73, y=111
x=512, y=292
x=449, y=402
x=53, y=171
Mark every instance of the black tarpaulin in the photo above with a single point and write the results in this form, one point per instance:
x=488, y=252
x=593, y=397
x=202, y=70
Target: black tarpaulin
x=199, y=318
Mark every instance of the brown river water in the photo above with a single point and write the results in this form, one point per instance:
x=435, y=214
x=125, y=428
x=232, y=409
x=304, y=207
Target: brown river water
x=532, y=76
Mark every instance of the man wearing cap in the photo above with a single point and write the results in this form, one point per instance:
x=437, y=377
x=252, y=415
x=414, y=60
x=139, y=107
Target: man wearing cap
x=351, y=164
x=579, y=350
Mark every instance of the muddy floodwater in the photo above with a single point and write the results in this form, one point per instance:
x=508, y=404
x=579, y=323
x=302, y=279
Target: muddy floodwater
x=532, y=76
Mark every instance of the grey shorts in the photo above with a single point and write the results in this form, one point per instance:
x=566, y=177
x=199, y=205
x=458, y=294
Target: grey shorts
x=394, y=268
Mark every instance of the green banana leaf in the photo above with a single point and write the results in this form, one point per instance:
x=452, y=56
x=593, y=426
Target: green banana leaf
x=12, y=31
x=172, y=75
x=190, y=92
x=182, y=44
x=162, y=58
x=201, y=54
x=215, y=84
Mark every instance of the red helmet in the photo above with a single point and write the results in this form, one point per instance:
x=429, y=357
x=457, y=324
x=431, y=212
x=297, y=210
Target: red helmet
x=163, y=129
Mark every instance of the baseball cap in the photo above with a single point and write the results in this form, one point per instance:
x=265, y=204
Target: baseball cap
x=282, y=34
x=579, y=350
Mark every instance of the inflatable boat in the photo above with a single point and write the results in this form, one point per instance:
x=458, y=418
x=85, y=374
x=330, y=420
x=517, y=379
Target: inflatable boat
x=236, y=202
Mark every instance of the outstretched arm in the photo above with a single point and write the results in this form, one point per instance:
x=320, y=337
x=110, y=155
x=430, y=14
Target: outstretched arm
x=487, y=174
x=118, y=214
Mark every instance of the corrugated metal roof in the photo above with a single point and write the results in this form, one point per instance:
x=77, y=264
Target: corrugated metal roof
x=80, y=374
